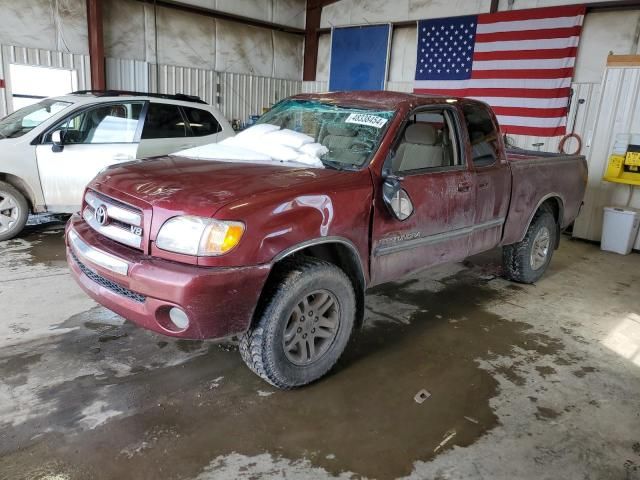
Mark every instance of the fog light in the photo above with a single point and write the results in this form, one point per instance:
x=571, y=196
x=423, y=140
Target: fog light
x=179, y=318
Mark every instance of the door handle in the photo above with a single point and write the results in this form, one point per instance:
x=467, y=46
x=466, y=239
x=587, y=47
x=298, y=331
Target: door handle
x=188, y=145
x=483, y=185
x=464, y=187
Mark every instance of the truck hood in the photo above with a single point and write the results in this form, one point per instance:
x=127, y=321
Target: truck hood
x=198, y=187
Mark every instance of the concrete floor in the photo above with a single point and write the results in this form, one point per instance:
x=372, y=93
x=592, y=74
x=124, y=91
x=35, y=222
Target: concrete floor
x=526, y=382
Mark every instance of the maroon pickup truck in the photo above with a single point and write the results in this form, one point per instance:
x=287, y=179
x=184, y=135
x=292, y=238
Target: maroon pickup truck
x=280, y=251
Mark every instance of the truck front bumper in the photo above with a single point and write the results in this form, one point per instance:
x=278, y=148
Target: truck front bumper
x=218, y=302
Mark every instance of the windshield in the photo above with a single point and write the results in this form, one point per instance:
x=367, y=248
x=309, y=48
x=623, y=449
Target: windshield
x=27, y=118
x=351, y=135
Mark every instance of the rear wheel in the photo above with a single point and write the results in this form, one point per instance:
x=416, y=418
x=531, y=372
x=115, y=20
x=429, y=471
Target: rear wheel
x=14, y=211
x=526, y=261
x=303, y=325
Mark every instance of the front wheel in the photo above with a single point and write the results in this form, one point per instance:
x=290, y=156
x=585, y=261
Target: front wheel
x=526, y=261
x=14, y=211
x=303, y=325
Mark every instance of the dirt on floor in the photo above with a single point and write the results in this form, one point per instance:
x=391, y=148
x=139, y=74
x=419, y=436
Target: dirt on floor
x=522, y=381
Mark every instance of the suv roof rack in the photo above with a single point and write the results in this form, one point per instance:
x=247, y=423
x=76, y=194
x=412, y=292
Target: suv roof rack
x=116, y=93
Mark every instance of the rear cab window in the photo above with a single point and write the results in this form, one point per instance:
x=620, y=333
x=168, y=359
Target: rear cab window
x=483, y=135
x=163, y=121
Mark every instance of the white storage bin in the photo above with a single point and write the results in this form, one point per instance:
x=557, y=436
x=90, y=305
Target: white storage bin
x=619, y=229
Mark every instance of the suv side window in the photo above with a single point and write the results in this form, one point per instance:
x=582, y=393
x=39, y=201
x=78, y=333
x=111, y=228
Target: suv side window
x=163, y=121
x=202, y=122
x=482, y=135
x=107, y=123
x=427, y=142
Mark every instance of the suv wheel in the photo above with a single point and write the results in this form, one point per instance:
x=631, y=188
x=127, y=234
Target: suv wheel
x=303, y=325
x=526, y=261
x=14, y=211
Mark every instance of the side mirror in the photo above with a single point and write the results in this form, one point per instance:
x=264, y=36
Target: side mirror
x=57, y=140
x=396, y=198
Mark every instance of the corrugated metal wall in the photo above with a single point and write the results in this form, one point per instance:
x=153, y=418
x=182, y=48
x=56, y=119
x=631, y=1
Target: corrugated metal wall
x=618, y=111
x=315, y=87
x=39, y=58
x=243, y=95
x=130, y=75
x=237, y=95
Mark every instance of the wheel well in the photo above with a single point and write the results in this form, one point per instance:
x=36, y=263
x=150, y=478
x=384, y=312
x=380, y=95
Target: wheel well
x=339, y=254
x=19, y=185
x=554, y=204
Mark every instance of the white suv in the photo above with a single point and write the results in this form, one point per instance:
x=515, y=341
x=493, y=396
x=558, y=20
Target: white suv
x=50, y=151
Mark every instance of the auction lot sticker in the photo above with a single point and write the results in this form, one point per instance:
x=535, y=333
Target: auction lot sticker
x=366, y=119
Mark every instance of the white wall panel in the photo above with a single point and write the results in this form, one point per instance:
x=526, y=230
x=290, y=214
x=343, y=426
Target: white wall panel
x=324, y=55
x=123, y=29
x=315, y=87
x=185, y=39
x=402, y=66
x=198, y=41
x=362, y=12
x=59, y=25
x=406, y=87
x=618, y=112
x=130, y=75
x=602, y=33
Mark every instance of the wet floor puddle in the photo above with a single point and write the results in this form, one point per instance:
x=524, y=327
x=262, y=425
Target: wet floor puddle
x=175, y=419
x=38, y=245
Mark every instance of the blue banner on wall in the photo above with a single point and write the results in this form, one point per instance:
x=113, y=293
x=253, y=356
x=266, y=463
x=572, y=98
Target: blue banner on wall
x=359, y=58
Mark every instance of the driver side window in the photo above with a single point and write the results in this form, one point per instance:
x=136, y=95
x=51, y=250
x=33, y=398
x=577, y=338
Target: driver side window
x=110, y=123
x=428, y=142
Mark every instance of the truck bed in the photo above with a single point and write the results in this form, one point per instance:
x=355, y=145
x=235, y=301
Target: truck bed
x=538, y=176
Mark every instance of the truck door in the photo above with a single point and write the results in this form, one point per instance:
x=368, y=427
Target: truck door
x=492, y=176
x=92, y=139
x=429, y=183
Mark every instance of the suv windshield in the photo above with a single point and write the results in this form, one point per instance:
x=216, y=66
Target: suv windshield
x=350, y=134
x=27, y=118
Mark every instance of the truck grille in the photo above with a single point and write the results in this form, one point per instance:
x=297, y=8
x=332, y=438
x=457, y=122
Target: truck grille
x=106, y=283
x=113, y=219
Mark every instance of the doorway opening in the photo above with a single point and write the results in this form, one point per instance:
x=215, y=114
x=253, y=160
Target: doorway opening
x=30, y=84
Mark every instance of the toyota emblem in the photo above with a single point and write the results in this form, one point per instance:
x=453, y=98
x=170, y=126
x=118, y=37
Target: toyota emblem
x=101, y=215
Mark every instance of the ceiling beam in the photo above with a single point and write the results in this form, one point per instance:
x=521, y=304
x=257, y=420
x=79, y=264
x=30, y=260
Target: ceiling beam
x=230, y=17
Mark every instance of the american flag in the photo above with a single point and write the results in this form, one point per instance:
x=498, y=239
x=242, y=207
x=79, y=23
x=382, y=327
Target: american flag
x=519, y=61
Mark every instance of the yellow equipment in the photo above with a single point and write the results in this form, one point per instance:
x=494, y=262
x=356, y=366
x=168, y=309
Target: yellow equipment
x=624, y=162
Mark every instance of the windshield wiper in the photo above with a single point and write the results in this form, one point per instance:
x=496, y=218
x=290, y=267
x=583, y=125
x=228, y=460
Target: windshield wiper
x=339, y=165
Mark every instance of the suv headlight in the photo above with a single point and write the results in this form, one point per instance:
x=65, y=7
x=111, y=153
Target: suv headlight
x=199, y=236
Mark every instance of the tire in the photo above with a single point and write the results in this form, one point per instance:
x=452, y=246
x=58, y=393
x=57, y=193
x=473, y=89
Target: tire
x=278, y=346
x=14, y=211
x=526, y=261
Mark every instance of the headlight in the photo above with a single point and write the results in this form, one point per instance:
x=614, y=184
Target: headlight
x=199, y=236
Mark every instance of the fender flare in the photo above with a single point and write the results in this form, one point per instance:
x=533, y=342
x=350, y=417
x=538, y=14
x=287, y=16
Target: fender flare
x=320, y=241
x=548, y=196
